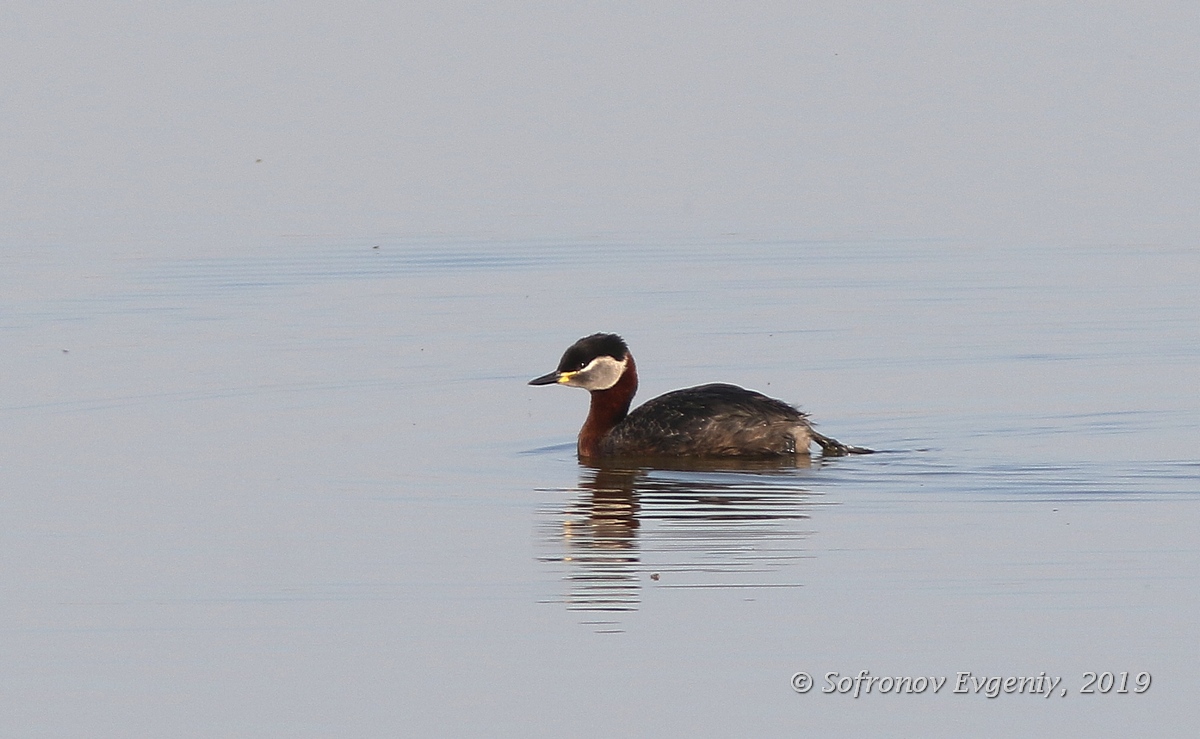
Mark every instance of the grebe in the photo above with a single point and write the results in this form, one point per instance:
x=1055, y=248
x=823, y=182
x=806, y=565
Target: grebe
x=715, y=420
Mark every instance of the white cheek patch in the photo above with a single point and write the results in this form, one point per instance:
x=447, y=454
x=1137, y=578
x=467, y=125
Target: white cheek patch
x=600, y=374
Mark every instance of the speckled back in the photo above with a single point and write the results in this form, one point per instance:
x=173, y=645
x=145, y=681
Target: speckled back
x=716, y=420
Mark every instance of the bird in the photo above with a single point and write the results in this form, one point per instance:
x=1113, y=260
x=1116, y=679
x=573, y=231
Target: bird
x=717, y=420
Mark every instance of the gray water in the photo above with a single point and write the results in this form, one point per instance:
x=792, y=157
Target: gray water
x=304, y=490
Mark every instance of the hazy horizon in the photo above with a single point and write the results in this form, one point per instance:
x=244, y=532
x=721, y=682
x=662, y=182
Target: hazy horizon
x=1065, y=124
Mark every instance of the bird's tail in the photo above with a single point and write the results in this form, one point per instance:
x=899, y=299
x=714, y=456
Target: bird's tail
x=834, y=448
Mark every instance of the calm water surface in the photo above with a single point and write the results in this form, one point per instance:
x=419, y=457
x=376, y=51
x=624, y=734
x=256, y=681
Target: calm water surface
x=304, y=490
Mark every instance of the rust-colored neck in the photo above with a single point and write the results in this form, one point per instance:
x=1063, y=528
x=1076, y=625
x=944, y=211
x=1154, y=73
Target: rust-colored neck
x=609, y=407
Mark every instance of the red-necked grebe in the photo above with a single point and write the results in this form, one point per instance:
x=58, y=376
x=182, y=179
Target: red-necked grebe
x=715, y=420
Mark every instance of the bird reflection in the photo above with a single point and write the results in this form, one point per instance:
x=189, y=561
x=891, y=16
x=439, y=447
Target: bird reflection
x=693, y=524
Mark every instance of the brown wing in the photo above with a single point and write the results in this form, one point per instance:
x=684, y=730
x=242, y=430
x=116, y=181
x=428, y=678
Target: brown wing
x=710, y=420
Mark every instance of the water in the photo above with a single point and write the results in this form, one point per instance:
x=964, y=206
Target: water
x=303, y=490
